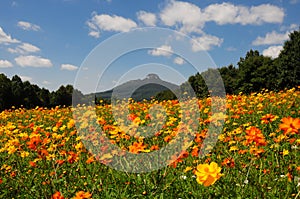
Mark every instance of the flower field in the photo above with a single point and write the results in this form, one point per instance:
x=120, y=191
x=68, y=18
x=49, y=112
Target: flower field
x=43, y=151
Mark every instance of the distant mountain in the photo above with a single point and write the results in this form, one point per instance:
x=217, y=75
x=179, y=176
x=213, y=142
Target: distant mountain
x=138, y=89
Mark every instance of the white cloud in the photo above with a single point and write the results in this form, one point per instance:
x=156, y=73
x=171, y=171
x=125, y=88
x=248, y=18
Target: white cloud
x=25, y=78
x=291, y=27
x=186, y=15
x=109, y=23
x=5, y=64
x=205, y=42
x=69, y=67
x=95, y=34
x=149, y=19
x=272, y=51
x=271, y=38
x=164, y=50
x=178, y=60
x=294, y=1
x=32, y=61
x=222, y=13
x=227, y=13
x=231, y=49
x=24, y=48
x=28, y=26
x=265, y=13
x=6, y=39
x=45, y=82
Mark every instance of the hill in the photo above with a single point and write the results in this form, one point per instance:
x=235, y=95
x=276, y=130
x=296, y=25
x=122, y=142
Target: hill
x=138, y=89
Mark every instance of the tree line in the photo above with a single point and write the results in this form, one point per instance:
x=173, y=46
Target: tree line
x=15, y=92
x=253, y=73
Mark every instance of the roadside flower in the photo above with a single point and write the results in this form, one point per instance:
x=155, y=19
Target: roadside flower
x=208, y=174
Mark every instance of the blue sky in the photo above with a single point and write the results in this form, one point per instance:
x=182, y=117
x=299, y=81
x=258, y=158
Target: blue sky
x=48, y=41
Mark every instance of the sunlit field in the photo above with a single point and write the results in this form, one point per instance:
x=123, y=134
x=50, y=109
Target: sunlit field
x=43, y=155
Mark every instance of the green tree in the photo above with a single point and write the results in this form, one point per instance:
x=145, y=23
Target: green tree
x=44, y=97
x=256, y=72
x=18, y=93
x=289, y=62
x=5, y=92
x=229, y=75
x=31, y=99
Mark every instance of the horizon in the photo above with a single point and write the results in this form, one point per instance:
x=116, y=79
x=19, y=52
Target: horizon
x=47, y=44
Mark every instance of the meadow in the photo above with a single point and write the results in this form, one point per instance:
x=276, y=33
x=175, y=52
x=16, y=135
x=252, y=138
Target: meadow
x=43, y=155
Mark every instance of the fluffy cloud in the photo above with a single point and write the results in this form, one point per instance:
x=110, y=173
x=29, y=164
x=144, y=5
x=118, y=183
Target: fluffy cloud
x=109, y=23
x=272, y=51
x=184, y=14
x=32, y=61
x=191, y=18
x=5, y=64
x=28, y=26
x=178, y=60
x=271, y=38
x=69, y=67
x=221, y=13
x=149, y=19
x=24, y=48
x=164, y=50
x=25, y=78
x=227, y=13
x=205, y=42
x=6, y=39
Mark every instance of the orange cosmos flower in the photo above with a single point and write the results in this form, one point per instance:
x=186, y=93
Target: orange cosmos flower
x=1, y=181
x=228, y=162
x=57, y=195
x=31, y=163
x=268, y=118
x=60, y=162
x=137, y=147
x=154, y=147
x=290, y=125
x=208, y=174
x=254, y=134
x=82, y=195
x=167, y=138
x=73, y=157
x=34, y=141
x=90, y=160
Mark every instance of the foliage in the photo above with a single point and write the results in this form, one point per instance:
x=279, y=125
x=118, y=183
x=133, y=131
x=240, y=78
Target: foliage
x=17, y=93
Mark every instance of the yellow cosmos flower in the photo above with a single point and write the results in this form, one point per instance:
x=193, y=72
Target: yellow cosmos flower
x=24, y=154
x=208, y=174
x=285, y=152
x=187, y=169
